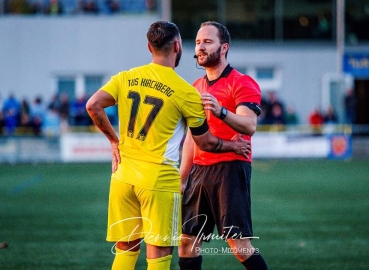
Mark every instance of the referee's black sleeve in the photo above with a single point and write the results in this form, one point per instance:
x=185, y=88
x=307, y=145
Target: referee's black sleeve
x=197, y=131
x=252, y=106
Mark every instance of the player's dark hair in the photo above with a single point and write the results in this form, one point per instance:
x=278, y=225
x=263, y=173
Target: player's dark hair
x=161, y=35
x=223, y=34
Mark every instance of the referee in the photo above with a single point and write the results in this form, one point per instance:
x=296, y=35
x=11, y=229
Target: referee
x=217, y=186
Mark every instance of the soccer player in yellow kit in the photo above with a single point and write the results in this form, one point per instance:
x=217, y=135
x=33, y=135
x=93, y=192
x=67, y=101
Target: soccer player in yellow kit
x=154, y=106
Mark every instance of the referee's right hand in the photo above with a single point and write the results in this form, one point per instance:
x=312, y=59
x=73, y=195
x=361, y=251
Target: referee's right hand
x=243, y=147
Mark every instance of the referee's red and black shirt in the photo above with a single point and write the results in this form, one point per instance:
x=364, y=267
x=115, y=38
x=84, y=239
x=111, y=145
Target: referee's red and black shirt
x=231, y=89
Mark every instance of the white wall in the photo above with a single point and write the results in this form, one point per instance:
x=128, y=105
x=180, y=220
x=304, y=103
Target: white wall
x=302, y=70
x=34, y=50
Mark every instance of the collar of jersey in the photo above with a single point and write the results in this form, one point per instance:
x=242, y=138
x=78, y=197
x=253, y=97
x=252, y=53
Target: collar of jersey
x=224, y=74
x=165, y=67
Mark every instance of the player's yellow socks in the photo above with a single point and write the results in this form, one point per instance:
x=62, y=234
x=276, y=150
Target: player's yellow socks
x=162, y=263
x=125, y=260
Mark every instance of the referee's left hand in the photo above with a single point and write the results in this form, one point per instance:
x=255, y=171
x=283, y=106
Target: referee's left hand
x=116, y=156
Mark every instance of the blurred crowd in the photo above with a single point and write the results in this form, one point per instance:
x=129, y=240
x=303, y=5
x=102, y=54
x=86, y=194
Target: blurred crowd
x=274, y=111
x=60, y=7
x=61, y=112
x=46, y=118
x=278, y=116
x=317, y=117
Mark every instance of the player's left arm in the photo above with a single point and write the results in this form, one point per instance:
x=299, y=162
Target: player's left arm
x=95, y=108
x=187, y=159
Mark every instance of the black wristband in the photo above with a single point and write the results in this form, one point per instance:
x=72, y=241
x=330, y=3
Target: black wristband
x=215, y=148
x=220, y=146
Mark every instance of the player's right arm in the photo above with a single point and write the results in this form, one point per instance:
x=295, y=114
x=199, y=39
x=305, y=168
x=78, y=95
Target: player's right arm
x=95, y=108
x=206, y=141
x=193, y=112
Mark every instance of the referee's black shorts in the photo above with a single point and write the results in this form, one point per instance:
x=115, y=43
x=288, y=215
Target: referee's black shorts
x=218, y=195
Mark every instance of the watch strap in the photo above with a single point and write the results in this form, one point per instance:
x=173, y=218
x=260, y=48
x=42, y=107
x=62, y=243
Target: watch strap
x=223, y=113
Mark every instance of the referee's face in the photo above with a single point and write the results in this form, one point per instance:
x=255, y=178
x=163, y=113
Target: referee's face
x=208, y=46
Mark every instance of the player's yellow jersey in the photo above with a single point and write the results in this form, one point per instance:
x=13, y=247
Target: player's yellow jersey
x=154, y=106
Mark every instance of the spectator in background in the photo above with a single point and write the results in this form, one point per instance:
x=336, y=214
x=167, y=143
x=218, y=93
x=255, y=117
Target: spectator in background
x=11, y=108
x=18, y=7
x=79, y=113
x=38, y=108
x=150, y=5
x=316, y=121
x=36, y=7
x=51, y=125
x=264, y=107
x=38, y=112
x=316, y=118
x=24, y=113
x=2, y=123
x=134, y=5
x=111, y=6
x=291, y=116
x=330, y=116
x=277, y=116
x=36, y=124
x=350, y=106
x=64, y=109
x=89, y=6
x=54, y=8
x=271, y=101
x=54, y=103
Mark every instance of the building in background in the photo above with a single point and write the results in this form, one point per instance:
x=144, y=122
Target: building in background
x=288, y=46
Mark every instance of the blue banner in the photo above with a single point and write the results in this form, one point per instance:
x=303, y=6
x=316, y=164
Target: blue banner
x=356, y=64
x=340, y=146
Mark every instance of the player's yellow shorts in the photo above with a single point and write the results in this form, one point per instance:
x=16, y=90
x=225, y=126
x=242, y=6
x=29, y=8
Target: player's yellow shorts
x=136, y=213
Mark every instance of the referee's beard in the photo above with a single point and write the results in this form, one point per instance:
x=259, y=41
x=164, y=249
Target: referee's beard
x=212, y=60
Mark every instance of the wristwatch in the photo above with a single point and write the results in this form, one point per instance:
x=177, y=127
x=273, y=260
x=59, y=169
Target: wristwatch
x=223, y=113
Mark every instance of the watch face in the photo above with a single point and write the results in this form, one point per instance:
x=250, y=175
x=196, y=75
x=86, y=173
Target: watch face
x=223, y=113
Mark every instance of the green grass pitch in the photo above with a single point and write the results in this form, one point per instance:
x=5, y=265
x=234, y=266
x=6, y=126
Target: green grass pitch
x=309, y=214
